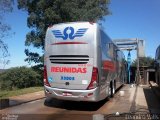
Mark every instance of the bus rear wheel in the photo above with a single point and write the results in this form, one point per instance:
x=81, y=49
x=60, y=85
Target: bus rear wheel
x=112, y=88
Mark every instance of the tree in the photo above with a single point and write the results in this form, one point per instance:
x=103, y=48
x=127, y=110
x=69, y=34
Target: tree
x=5, y=7
x=20, y=77
x=43, y=13
x=145, y=61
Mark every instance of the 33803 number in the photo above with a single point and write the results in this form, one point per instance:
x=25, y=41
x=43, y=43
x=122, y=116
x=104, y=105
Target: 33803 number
x=67, y=78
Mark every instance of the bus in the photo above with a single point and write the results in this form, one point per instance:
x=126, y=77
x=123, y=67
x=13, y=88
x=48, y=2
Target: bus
x=81, y=63
x=157, y=65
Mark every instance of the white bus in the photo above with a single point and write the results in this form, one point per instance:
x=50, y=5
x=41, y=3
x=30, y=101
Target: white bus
x=81, y=63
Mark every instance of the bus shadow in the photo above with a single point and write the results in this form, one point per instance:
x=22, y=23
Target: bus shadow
x=152, y=100
x=74, y=105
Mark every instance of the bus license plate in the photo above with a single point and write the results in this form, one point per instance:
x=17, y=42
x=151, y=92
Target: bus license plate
x=67, y=94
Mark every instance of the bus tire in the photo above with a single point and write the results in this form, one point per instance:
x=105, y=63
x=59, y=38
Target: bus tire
x=112, y=88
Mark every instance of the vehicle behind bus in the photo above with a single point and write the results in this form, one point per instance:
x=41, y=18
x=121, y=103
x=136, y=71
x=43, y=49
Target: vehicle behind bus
x=81, y=63
x=157, y=65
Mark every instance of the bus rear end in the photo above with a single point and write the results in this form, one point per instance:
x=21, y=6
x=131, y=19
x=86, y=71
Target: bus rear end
x=70, y=68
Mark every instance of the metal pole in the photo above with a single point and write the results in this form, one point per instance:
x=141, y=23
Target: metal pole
x=129, y=64
x=138, y=76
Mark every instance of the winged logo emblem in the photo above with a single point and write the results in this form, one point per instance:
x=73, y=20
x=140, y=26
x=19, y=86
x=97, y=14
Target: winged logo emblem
x=68, y=32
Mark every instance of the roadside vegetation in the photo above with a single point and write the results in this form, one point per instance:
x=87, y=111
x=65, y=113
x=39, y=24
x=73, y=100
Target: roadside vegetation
x=145, y=61
x=8, y=93
x=20, y=80
x=20, y=77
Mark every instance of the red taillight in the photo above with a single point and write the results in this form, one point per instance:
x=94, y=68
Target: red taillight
x=45, y=77
x=94, y=79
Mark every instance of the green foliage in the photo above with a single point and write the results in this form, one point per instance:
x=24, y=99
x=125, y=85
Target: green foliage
x=43, y=13
x=19, y=77
x=145, y=61
x=39, y=69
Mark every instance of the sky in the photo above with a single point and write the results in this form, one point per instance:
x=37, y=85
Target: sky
x=127, y=19
x=135, y=19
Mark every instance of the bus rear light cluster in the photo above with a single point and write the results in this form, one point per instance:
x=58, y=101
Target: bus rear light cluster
x=93, y=83
x=45, y=80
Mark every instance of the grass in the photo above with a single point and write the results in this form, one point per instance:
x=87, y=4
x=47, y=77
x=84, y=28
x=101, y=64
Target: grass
x=7, y=93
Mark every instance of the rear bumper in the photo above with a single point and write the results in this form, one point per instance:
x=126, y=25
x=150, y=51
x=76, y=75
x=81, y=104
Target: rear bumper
x=73, y=95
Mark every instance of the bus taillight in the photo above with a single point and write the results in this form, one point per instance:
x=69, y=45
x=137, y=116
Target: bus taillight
x=93, y=83
x=45, y=80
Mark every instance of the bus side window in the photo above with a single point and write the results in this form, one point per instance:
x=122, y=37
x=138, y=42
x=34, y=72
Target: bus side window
x=110, y=50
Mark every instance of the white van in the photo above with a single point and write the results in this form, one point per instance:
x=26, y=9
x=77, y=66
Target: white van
x=81, y=63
